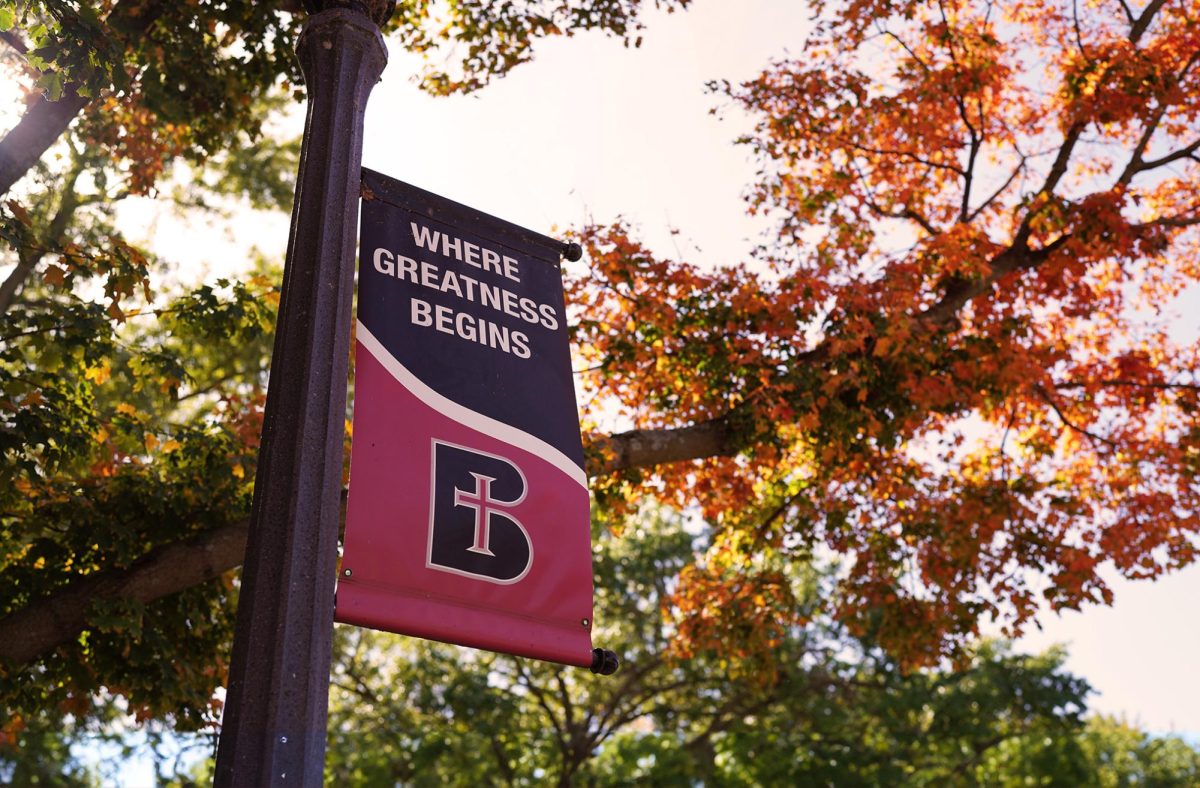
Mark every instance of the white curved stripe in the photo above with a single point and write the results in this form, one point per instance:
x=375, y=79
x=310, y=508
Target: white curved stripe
x=466, y=416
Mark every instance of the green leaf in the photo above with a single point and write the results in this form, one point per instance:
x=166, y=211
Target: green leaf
x=52, y=83
x=7, y=18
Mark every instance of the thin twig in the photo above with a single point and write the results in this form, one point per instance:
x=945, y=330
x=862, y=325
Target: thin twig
x=1129, y=383
x=1067, y=422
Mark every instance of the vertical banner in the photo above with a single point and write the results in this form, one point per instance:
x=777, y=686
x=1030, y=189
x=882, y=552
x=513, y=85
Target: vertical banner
x=468, y=517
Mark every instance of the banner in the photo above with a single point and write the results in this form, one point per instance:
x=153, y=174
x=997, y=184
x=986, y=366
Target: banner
x=468, y=517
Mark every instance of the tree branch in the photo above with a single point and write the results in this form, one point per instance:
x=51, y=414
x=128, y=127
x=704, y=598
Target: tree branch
x=42, y=124
x=1011, y=259
x=1128, y=384
x=1180, y=221
x=1182, y=153
x=51, y=621
x=15, y=42
x=45, y=121
x=1012, y=176
x=1142, y=24
x=1078, y=32
x=975, y=137
x=502, y=762
x=1136, y=163
x=906, y=212
x=632, y=676
x=16, y=279
x=1072, y=425
x=903, y=154
x=645, y=448
x=28, y=259
x=560, y=731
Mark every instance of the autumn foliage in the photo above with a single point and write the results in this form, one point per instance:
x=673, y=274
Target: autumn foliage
x=952, y=364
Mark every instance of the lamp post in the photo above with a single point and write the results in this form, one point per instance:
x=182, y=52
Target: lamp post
x=273, y=728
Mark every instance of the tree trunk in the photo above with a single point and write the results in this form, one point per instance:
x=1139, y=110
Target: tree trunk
x=42, y=124
x=45, y=121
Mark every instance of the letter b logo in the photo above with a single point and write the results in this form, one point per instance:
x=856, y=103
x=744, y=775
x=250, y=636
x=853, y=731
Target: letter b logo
x=472, y=528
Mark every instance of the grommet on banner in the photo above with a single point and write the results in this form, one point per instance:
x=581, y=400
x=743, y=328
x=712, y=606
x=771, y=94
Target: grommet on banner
x=604, y=662
x=572, y=251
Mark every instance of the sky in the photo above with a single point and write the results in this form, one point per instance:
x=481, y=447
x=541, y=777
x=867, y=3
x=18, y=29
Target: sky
x=592, y=130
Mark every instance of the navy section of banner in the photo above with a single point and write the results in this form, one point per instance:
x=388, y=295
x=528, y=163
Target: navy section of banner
x=486, y=302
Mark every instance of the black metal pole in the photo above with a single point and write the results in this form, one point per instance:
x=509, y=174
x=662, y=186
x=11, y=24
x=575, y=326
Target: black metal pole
x=276, y=709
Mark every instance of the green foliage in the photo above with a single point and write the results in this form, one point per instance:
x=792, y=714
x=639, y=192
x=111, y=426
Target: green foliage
x=838, y=711
x=428, y=713
x=1107, y=753
x=37, y=751
x=97, y=749
x=117, y=438
x=194, y=65
x=262, y=174
x=129, y=422
x=128, y=419
x=878, y=726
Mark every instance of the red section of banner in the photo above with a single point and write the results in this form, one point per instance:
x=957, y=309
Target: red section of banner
x=504, y=565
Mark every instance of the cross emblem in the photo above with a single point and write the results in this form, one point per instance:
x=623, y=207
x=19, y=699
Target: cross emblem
x=482, y=502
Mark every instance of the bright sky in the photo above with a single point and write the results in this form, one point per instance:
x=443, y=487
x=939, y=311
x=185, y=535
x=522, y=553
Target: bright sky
x=593, y=130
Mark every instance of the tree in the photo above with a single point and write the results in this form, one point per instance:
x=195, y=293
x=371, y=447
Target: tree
x=129, y=419
x=947, y=365
x=1106, y=752
x=955, y=369
x=186, y=74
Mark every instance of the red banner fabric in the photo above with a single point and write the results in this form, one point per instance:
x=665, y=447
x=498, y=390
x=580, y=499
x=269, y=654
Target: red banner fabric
x=468, y=515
